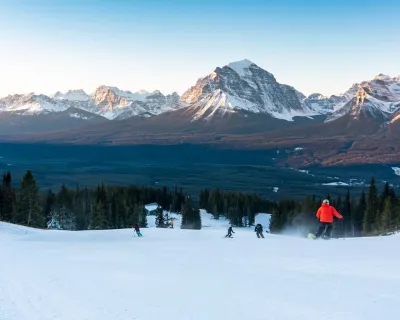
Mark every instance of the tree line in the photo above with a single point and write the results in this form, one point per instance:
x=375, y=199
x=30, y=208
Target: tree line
x=103, y=207
x=114, y=207
x=372, y=213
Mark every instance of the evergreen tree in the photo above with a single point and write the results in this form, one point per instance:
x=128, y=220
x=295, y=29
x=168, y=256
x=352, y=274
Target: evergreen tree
x=142, y=215
x=80, y=209
x=7, y=199
x=347, y=221
x=397, y=214
x=386, y=222
x=29, y=211
x=359, y=214
x=369, y=223
x=338, y=225
x=49, y=205
x=160, y=221
x=191, y=218
x=114, y=212
x=65, y=209
x=99, y=220
x=387, y=191
x=278, y=219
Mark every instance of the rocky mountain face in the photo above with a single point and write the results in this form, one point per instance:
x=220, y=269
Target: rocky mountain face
x=31, y=104
x=244, y=86
x=72, y=95
x=240, y=94
x=378, y=98
x=107, y=102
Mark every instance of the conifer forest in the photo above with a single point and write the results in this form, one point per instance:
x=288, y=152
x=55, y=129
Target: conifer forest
x=375, y=212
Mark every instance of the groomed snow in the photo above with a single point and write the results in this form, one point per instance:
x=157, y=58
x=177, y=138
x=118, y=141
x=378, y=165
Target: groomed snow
x=174, y=274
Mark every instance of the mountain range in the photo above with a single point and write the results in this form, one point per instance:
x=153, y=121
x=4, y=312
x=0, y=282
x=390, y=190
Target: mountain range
x=239, y=104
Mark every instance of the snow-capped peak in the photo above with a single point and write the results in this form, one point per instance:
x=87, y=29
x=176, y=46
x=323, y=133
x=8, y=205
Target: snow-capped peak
x=32, y=104
x=242, y=85
x=241, y=66
x=128, y=95
x=382, y=76
x=72, y=95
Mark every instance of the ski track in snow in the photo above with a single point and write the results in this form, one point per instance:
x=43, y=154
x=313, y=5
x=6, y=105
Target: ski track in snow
x=194, y=275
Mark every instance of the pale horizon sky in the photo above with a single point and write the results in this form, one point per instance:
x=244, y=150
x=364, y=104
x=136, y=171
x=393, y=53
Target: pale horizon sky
x=49, y=46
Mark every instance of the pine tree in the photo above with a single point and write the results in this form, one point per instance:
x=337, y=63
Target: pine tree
x=397, y=214
x=142, y=215
x=160, y=221
x=99, y=220
x=338, y=225
x=215, y=212
x=191, y=218
x=65, y=210
x=359, y=214
x=386, y=221
x=29, y=211
x=347, y=221
x=114, y=212
x=369, y=223
x=7, y=199
x=278, y=218
x=79, y=209
x=387, y=191
x=49, y=205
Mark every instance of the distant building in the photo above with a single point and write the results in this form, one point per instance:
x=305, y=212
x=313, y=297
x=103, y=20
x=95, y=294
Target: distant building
x=151, y=208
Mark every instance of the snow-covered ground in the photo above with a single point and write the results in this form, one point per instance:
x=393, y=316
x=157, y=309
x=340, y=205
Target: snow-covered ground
x=174, y=274
x=396, y=171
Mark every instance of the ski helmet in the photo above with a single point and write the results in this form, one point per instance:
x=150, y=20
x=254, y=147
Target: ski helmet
x=326, y=201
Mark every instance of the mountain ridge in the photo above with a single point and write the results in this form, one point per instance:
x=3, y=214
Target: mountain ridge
x=235, y=87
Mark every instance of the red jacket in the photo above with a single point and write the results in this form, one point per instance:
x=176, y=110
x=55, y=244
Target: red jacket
x=326, y=212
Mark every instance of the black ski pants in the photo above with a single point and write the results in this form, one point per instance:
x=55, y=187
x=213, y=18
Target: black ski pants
x=260, y=234
x=229, y=235
x=322, y=227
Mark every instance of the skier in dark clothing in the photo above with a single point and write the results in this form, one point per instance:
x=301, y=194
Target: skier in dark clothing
x=259, y=230
x=137, y=229
x=230, y=230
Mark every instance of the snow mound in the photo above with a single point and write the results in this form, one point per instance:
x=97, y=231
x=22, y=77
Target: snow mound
x=13, y=229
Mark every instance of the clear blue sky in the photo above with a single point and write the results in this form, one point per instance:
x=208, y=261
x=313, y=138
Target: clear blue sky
x=315, y=46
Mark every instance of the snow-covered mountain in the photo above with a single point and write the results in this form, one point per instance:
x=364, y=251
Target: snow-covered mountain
x=112, y=103
x=324, y=105
x=108, y=102
x=378, y=98
x=31, y=104
x=72, y=95
x=244, y=86
x=238, y=86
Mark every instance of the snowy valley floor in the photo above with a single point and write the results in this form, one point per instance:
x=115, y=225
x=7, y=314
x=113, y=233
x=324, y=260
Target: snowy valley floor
x=194, y=275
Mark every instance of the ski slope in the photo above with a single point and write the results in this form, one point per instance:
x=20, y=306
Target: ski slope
x=174, y=274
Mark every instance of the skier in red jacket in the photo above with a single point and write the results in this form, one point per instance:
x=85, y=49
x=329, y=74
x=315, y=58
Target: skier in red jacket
x=325, y=215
